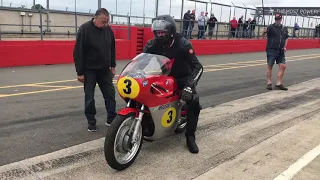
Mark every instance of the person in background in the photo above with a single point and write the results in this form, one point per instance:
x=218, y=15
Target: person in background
x=247, y=28
x=191, y=25
x=201, y=25
x=277, y=40
x=234, y=26
x=317, y=31
x=186, y=23
x=206, y=23
x=212, y=22
x=95, y=62
x=240, y=27
x=296, y=28
x=253, y=26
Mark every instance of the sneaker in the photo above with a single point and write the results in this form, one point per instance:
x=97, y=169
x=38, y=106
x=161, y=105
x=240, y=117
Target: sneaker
x=108, y=122
x=280, y=87
x=191, y=143
x=269, y=87
x=92, y=128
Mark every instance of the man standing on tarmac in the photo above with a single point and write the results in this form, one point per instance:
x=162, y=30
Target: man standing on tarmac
x=94, y=57
x=277, y=36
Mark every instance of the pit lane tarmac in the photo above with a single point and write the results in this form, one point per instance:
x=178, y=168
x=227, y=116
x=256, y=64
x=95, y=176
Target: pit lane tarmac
x=41, y=117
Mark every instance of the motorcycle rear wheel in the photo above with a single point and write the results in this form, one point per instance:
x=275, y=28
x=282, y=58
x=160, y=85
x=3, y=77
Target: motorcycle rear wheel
x=117, y=135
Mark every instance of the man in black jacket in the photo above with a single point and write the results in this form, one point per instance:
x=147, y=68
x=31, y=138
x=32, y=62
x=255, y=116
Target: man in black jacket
x=186, y=23
x=186, y=69
x=240, y=29
x=277, y=36
x=95, y=62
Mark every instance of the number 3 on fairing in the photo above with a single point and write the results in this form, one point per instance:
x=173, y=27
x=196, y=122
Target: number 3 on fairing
x=170, y=117
x=128, y=86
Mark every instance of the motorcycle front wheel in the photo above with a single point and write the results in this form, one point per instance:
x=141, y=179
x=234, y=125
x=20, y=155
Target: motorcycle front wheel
x=119, y=152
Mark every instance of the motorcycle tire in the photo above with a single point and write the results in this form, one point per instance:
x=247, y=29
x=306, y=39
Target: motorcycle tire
x=110, y=138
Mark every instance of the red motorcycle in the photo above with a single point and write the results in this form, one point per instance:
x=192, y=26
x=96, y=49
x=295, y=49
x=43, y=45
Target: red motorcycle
x=153, y=111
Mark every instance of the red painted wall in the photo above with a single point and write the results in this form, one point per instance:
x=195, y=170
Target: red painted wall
x=121, y=32
x=147, y=34
x=28, y=53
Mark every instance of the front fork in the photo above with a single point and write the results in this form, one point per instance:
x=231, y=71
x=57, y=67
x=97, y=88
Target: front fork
x=136, y=123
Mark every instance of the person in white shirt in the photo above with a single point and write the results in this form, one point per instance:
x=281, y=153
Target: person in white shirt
x=201, y=25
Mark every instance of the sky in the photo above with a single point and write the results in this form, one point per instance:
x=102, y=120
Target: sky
x=147, y=7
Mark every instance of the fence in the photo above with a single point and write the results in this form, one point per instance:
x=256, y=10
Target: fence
x=31, y=23
x=243, y=31
x=229, y=11
x=152, y=7
x=48, y=23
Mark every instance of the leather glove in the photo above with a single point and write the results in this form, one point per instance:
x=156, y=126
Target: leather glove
x=187, y=94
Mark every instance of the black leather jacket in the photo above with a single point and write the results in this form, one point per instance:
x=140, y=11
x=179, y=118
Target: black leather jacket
x=186, y=66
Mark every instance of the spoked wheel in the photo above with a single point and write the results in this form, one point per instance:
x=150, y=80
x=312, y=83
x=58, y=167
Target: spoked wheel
x=119, y=151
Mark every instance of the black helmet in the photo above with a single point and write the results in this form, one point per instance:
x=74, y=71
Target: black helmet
x=164, y=28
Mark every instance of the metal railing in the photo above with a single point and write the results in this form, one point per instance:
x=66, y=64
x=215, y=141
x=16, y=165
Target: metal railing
x=219, y=31
x=44, y=28
x=37, y=23
x=225, y=12
x=242, y=31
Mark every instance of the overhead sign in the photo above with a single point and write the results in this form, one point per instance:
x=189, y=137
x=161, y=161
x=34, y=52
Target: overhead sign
x=291, y=11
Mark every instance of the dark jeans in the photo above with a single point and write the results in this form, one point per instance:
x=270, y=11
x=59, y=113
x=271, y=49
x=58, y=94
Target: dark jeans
x=190, y=29
x=211, y=30
x=105, y=82
x=185, y=29
x=233, y=32
x=201, y=32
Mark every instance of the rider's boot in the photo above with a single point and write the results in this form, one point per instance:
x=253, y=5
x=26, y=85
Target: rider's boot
x=192, y=145
x=192, y=123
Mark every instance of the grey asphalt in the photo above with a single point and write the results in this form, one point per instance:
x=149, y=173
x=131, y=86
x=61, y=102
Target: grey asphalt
x=37, y=124
x=257, y=137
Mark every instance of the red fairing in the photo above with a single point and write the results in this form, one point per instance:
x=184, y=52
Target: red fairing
x=152, y=97
x=126, y=111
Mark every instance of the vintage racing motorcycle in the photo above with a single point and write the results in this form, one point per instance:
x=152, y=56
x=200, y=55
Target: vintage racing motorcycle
x=153, y=111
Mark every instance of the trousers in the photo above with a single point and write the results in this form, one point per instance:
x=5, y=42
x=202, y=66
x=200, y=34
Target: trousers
x=193, y=110
x=104, y=78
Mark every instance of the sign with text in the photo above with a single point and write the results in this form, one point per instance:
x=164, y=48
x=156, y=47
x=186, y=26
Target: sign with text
x=291, y=11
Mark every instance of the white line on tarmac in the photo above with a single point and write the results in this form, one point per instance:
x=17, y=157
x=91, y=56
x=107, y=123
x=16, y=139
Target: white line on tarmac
x=299, y=164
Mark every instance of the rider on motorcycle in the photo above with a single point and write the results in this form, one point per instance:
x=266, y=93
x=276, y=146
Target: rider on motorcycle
x=186, y=69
